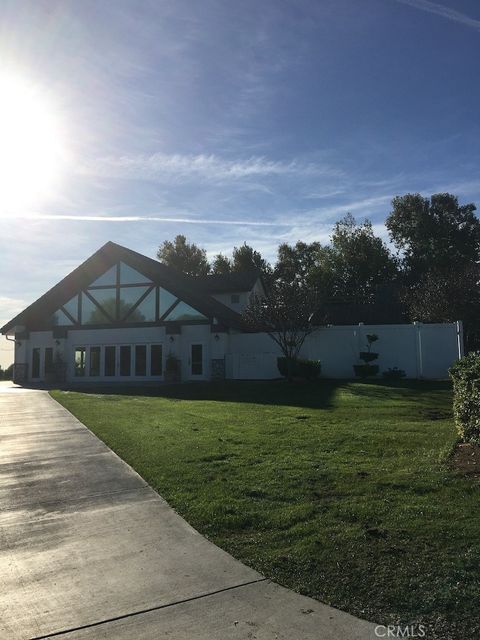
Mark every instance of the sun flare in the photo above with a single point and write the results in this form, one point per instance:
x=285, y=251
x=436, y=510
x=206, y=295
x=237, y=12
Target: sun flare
x=31, y=145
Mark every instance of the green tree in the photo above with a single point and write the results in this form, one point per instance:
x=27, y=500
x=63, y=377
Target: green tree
x=245, y=258
x=355, y=265
x=221, y=264
x=184, y=256
x=297, y=263
x=433, y=235
x=285, y=314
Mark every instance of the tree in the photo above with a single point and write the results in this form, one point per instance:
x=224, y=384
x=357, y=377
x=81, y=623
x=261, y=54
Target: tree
x=221, y=264
x=245, y=258
x=8, y=373
x=433, y=235
x=355, y=265
x=447, y=297
x=285, y=314
x=184, y=256
x=297, y=263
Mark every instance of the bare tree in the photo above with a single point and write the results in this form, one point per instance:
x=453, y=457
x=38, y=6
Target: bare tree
x=285, y=313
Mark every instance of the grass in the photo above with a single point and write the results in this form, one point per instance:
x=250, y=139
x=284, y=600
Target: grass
x=339, y=490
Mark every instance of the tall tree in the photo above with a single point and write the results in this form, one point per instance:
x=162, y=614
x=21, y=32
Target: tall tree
x=245, y=258
x=433, y=235
x=355, y=265
x=297, y=263
x=441, y=296
x=221, y=264
x=184, y=256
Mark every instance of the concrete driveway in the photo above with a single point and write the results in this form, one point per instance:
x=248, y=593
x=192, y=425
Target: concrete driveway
x=88, y=550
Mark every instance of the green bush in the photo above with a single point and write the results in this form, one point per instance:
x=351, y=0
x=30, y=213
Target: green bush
x=365, y=370
x=394, y=374
x=465, y=374
x=307, y=369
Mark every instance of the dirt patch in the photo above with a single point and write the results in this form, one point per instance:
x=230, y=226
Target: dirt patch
x=466, y=460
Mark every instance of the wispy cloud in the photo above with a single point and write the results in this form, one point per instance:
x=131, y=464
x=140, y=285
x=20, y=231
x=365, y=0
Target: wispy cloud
x=444, y=12
x=106, y=218
x=211, y=168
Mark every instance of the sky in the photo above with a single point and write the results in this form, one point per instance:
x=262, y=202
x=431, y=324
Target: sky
x=226, y=121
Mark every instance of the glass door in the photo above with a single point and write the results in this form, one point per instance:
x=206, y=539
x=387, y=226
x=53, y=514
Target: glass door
x=110, y=357
x=125, y=360
x=197, y=365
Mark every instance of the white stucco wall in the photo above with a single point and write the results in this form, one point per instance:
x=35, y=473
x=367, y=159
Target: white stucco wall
x=422, y=351
x=226, y=299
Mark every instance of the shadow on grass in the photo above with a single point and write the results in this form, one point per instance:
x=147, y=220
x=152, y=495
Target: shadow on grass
x=315, y=395
x=397, y=389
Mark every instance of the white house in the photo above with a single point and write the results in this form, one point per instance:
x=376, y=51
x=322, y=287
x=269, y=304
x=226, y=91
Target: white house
x=119, y=315
x=123, y=317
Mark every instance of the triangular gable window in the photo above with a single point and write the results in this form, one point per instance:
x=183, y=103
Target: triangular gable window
x=60, y=319
x=91, y=313
x=131, y=276
x=108, y=279
x=184, y=312
x=146, y=310
x=71, y=307
x=129, y=296
x=167, y=299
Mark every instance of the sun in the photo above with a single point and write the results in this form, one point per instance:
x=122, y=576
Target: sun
x=31, y=145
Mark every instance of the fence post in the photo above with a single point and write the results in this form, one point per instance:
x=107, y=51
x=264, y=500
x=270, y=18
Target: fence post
x=361, y=338
x=459, y=325
x=418, y=347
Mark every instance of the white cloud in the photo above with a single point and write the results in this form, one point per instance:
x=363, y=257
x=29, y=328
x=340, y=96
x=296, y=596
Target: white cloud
x=147, y=218
x=444, y=12
x=211, y=168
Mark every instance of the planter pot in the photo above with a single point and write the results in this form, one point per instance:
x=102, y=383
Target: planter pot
x=172, y=377
x=365, y=370
x=368, y=356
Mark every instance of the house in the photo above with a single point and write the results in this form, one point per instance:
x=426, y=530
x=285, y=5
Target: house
x=120, y=315
x=123, y=317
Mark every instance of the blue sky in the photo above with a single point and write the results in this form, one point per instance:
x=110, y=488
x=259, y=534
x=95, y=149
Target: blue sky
x=230, y=121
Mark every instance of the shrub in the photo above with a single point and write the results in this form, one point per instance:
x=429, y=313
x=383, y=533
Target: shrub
x=172, y=364
x=465, y=374
x=394, y=374
x=307, y=369
x=365, y=370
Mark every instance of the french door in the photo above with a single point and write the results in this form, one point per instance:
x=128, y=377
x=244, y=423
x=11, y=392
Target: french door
x=197, y=361
x=119, y=361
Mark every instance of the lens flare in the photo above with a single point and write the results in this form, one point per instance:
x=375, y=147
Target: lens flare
x=31, y=145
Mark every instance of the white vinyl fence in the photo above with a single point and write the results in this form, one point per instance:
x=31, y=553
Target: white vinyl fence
x=421, y=350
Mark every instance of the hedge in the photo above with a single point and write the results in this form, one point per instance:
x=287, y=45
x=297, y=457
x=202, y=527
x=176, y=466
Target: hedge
x=308, y=369
x=465, y=374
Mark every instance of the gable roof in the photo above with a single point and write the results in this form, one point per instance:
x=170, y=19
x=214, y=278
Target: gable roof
x=228, y=282
x=108, y=255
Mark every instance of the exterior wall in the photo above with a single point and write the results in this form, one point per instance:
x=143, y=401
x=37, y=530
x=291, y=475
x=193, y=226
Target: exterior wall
x=421, y=350
x=226, y=299
x=244, y=297
x=178, y=345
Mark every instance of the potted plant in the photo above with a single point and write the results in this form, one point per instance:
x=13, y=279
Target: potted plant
x=367, y=369
x=172, y=368
x=57, y=372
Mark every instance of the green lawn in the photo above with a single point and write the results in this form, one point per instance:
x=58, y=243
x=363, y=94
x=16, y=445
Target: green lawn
x=339, y=490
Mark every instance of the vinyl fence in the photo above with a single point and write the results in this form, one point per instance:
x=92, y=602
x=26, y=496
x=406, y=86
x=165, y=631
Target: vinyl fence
x=421, y=350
